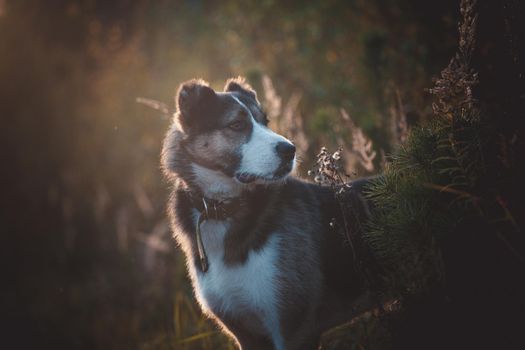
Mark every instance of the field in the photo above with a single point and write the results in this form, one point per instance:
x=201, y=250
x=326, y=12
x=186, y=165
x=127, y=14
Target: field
x=90, y=260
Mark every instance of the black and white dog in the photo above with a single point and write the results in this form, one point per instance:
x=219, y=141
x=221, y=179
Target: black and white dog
x=265, y=258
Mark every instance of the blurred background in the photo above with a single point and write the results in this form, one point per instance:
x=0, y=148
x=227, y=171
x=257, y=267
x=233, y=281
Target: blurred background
x=89, y=259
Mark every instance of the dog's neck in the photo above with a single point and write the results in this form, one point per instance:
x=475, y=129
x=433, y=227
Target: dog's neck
x=214, y=185
x=244, y=210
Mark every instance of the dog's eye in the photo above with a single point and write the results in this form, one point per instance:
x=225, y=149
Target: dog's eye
x=237, y=125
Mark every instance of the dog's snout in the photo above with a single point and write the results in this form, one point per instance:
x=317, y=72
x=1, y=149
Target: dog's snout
x=285, y=150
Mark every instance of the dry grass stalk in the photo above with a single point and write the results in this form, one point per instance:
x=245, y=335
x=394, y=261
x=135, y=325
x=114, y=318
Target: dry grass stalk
x=362, y=147
x=293, y=121
x=398, y=119
x=289, y=120
x=272, y=101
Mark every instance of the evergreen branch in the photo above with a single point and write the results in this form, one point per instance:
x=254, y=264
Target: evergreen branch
x=450, y=190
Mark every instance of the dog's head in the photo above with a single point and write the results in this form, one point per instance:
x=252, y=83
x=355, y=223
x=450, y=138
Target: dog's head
x=223, y=137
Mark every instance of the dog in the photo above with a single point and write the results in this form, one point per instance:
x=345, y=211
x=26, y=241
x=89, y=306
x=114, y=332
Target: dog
x=265, y=251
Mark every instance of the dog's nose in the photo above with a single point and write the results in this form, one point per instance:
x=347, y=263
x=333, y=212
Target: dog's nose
x=285, y=150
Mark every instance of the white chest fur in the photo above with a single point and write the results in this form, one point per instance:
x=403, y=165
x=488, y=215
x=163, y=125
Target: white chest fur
x=240, y=290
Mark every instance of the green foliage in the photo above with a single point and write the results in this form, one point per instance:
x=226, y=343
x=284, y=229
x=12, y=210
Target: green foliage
x=448, y=172
x=410, y=214
x=323, y=121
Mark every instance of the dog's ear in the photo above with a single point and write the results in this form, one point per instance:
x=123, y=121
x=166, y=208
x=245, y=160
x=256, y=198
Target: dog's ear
x=240, y=85
x=192, y=100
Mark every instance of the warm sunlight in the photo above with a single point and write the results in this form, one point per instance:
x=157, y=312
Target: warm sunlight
x=342, y=173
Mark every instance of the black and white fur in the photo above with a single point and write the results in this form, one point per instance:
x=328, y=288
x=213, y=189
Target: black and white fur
x=279, y=271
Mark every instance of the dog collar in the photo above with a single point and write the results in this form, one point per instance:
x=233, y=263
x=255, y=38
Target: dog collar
x=217, y=209
x=214, y=210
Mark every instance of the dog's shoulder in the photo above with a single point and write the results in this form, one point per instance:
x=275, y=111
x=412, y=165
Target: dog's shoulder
x=343, y=214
